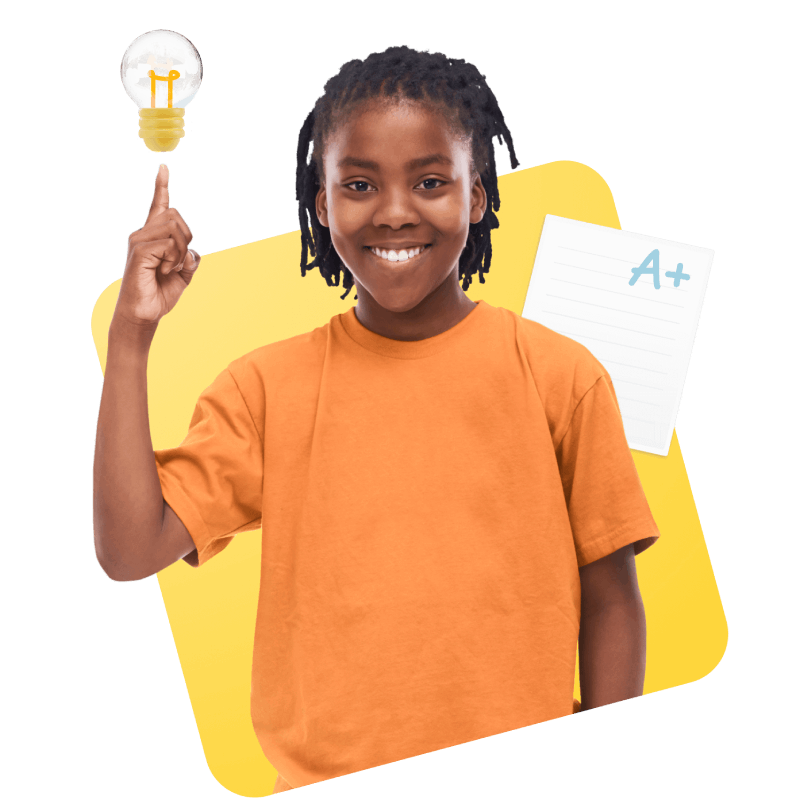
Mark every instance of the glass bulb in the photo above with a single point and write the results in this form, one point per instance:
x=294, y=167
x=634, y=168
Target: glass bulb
x=161, y=72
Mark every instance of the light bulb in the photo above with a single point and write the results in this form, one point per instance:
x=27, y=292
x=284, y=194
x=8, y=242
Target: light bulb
x=161, y=72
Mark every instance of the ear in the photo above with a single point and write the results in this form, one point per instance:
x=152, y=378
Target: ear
x=322, y=207
x=478, y=201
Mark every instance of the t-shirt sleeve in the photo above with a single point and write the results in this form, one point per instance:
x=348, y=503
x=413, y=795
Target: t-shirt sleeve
x=605, y=499
x=213, y=479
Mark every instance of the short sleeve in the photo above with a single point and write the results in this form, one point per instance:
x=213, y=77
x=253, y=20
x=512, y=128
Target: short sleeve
x=605, y=499
x=213, y=479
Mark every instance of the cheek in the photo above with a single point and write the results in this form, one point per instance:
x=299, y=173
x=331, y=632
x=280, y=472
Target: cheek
x=344, y=225
x=452, y=215
x=345, y=219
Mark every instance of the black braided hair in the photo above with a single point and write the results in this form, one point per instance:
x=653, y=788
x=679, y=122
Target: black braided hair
x=451, y=85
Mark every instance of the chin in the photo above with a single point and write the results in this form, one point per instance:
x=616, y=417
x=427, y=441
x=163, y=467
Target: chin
x=398, y=302
x=396, y=308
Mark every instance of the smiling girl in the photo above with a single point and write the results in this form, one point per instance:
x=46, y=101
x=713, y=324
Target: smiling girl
x=448, y=503
x=402, y=147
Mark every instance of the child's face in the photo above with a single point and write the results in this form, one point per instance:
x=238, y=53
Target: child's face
x=397, y=178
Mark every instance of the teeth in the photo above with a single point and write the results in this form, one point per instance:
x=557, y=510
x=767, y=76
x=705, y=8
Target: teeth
x=397, y=255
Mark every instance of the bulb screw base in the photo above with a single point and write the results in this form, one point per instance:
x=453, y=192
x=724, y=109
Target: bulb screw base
x=161, y=128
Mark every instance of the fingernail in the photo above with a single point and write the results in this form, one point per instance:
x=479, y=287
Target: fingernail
x=195, y=256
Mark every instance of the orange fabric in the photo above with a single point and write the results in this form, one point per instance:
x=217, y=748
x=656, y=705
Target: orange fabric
x=425, y=507
x=281, y=785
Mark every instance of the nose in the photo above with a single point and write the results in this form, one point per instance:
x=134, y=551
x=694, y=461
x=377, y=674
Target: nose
x=396, y=209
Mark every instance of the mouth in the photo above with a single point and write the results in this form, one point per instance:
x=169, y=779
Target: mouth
x=399, y=263
x=408, y=254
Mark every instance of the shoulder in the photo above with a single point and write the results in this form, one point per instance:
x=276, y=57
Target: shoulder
x=277, y=360
x=558, y=364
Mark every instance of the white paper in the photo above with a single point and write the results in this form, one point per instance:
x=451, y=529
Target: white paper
x=642, y=333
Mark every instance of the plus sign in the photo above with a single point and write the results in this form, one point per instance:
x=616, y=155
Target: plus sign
x=678, y=275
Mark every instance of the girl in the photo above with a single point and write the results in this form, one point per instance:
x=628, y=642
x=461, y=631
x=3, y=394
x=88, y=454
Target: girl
x=401, y=155
x=448, y=502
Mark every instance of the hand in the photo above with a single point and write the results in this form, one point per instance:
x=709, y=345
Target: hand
x=160, y=264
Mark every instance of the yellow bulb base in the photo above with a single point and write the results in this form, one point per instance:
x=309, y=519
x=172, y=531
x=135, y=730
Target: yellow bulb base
x=161, y=128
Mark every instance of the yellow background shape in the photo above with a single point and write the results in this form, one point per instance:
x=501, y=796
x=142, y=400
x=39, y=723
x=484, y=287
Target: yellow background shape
x=251, y=295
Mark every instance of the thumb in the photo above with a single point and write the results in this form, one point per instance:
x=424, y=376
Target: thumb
x=190, y=265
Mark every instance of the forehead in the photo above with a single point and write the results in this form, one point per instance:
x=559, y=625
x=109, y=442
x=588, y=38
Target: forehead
x=393, y=133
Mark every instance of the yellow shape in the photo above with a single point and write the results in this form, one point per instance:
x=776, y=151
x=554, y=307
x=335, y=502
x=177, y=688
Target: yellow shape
x=251, y=295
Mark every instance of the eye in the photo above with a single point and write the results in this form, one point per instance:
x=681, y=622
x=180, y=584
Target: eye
x=364, y=183
x=431, y=180
x=358, y=186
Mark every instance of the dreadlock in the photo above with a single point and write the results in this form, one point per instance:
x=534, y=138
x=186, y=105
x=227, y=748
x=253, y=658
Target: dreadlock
x=452, y=86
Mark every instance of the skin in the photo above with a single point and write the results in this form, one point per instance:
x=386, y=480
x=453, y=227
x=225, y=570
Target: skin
x=392, y=202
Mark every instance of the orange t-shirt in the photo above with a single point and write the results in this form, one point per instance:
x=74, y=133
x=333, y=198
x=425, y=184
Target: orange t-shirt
x=425, y=507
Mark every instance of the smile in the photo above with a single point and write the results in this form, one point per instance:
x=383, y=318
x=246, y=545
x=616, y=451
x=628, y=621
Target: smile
x=398, y=255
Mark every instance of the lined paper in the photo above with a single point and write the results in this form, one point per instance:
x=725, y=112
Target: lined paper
x=634, y=301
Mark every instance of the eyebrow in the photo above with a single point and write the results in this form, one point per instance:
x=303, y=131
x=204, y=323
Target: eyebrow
x=416, y=163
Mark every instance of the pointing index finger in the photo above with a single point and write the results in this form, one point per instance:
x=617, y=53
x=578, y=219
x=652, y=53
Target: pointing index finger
x=161, y=195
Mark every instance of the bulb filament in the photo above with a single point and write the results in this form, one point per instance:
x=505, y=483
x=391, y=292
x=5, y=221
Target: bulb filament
x=172, y=75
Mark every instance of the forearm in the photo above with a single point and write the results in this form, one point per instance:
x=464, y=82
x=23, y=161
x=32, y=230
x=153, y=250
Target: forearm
x=612, y=652
x=128, y=504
